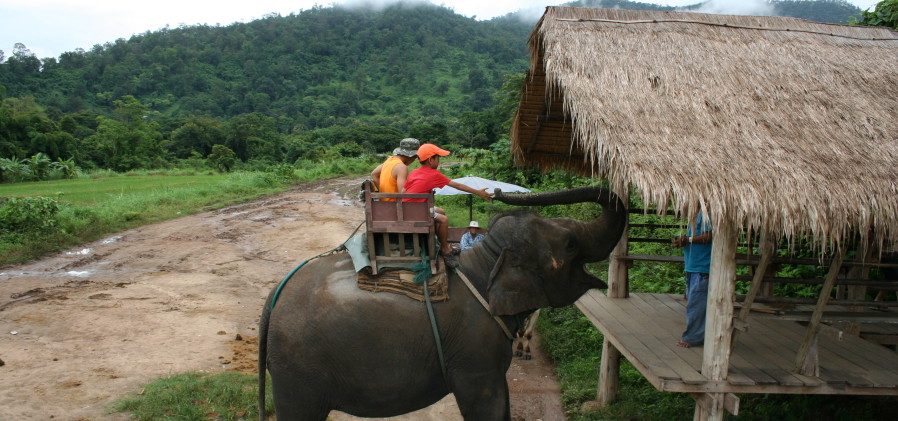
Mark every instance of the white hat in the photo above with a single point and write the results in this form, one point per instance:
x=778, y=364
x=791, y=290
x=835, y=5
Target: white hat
x=473, y=224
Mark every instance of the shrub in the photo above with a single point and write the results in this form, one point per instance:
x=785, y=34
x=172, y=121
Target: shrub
x=285, y=173
x=28, y=215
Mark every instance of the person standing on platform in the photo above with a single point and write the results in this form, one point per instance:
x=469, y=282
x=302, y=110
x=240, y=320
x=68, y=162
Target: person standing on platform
x=696, y=246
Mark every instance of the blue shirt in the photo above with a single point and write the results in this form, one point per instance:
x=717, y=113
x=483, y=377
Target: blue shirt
x=468, y=242
x=698, y=256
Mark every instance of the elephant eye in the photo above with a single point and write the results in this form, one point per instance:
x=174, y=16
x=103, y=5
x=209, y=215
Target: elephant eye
x=571, y=245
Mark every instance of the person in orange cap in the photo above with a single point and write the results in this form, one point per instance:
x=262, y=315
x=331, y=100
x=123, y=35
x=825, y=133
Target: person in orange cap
x=427, y=178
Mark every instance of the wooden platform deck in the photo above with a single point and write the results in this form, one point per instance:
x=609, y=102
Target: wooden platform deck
x=646, y=327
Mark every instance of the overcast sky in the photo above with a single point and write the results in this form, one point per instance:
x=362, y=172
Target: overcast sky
x=51, y=27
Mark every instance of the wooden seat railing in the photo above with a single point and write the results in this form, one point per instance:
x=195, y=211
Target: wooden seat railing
x=762, y=258
x=399, y=232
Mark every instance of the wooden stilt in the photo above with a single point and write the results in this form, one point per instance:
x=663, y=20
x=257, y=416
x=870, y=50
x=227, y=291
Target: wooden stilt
x=719, y=318
x=618, y=266
x=609, y=374
x=609, y=368
x=810, y=338
x=859, y=292
x=766, y=250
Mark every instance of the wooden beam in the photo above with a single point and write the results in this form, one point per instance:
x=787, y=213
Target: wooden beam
x=730, y=402
x=765, y=249
x=539, y=125
x=859, y=292
x=618, y=267
x=719, y=316
x=609, y=368
x=800, y=300
x=810, y=337
x=609, y=374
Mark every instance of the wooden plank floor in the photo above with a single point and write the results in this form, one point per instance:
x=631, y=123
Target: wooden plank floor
x=646, y=327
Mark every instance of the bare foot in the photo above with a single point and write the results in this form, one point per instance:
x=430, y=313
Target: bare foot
x=683, y=344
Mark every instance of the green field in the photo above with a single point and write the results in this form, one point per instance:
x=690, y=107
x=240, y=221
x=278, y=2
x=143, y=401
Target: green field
x=91, y=191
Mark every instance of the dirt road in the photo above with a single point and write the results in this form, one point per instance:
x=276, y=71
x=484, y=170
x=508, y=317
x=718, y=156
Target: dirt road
x=86, y=326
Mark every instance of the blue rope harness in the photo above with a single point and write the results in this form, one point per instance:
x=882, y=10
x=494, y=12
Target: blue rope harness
x=422, y=271
x=281, y=285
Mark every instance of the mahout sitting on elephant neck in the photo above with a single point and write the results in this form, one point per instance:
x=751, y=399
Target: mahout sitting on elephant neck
x=330, y=346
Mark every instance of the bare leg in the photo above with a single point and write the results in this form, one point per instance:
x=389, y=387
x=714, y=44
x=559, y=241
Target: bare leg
x=442, y=226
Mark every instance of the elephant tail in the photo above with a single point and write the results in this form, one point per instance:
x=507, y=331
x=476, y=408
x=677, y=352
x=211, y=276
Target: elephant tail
x=263, y=356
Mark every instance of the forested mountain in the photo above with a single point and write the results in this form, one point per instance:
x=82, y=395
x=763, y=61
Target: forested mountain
x=316, y=68
x=325, y=80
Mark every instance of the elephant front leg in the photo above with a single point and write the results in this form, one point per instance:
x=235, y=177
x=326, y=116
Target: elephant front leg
x=481, y=400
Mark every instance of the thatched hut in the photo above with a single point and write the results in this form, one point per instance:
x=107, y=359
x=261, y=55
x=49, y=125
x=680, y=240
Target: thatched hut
x=767, y=124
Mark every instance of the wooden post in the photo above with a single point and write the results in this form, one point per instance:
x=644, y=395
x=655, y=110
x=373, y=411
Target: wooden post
x=609, y=368
x=617, y=267
x=859, y=292
x=765, y=249
x=804, y=359
x=719, y=318
x=609, y=374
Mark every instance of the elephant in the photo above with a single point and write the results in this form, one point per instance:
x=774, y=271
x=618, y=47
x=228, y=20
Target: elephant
x=329, y=345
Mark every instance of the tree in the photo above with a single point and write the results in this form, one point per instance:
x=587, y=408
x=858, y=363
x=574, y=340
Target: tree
x=222, y=158
x=66, y=166
x=197, y=135
x=39, y=166
x=253, y=136
x=12, y=169
x=885, y=14
x=130, y=141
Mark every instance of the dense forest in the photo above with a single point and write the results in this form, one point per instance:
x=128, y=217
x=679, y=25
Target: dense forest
x=324, y=82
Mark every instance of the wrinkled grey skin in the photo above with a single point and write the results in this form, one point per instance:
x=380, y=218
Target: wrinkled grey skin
x=329, y=345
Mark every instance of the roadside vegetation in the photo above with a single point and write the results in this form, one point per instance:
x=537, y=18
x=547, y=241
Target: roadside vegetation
x=41, y=217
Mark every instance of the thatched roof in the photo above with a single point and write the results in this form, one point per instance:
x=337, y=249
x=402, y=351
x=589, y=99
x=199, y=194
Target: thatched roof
x=758, y=120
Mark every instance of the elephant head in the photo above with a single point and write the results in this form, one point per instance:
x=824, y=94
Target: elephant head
x=539, y=261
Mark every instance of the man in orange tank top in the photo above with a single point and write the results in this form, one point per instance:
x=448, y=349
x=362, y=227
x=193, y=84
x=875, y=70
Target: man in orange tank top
x=390, y=176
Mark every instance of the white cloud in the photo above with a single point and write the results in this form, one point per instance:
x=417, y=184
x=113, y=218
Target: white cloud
x=738, y=7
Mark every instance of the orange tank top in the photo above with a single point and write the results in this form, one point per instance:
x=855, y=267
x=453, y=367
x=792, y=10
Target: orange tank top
x=387, y=182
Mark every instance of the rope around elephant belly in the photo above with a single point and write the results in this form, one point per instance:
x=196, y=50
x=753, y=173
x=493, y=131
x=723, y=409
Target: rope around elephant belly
x=436, y=336
x=484, y=304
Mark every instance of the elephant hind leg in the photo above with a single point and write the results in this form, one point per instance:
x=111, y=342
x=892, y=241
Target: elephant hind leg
x=484, y=400
x=299, y=403
x=300, y=411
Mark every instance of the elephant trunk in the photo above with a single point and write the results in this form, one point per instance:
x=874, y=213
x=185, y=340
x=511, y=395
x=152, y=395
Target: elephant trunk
x=609, y=226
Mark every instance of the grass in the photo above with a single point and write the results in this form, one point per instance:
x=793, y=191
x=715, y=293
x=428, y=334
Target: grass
x=100, y=204
x=93, y=190
x=197, y=396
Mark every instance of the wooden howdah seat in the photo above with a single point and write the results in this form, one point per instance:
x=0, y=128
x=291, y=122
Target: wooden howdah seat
x=399, y=233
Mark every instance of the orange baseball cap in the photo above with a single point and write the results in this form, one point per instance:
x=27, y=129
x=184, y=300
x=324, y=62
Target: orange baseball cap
x=428, y=150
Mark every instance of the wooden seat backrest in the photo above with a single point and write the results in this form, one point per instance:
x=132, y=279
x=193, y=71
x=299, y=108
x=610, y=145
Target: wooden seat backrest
x=383, y=217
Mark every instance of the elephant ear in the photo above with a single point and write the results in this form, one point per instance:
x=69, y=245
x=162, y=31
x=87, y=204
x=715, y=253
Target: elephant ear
x=514, y=291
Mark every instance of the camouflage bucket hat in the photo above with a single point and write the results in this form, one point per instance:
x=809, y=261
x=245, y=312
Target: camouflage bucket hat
x=407, y=147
